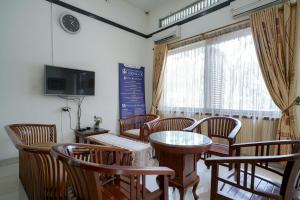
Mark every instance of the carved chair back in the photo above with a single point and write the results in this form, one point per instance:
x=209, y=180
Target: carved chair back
x=170, y=124
x=29, y=134
x=219, y=126
x=98, y=172
x=137, y=121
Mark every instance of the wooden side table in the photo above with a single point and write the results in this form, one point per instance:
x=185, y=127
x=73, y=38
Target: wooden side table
x=83, y=134
x=178, y=150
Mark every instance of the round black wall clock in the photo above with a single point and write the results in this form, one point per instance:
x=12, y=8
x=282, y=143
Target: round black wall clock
x=70, y=23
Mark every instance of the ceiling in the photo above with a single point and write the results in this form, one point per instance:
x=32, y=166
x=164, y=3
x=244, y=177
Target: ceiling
x=147, y=5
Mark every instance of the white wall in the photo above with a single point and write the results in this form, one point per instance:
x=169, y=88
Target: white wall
x=25, y=39
x=118, y=11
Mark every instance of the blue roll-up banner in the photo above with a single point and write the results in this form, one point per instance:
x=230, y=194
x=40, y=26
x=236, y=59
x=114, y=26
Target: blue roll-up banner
x=131, y=90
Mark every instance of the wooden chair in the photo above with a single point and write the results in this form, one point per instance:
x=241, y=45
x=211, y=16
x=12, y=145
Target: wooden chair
x=246, y=183
x=133, y=127
x=41, y=175
x=170, y=124
x=219, y=127
x=86, y=163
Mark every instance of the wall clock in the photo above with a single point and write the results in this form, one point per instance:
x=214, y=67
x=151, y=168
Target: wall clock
x=70, y=23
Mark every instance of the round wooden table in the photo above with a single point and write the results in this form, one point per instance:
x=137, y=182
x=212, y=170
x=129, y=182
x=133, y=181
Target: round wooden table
x=178, y=150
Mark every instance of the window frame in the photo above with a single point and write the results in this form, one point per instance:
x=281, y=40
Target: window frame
x=200, y=6
x=207, y=110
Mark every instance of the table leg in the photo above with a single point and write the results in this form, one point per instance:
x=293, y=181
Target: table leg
x=181, y=193
x=195, y=188
x=185, y=166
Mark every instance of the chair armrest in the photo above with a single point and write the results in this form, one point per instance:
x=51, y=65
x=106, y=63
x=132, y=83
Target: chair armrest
x=161, y=171
x=149, y=126
x=232, y=135
x=195, y=125
x=264, y=143
x=251, y=159
x=122, y=125
x=16, y=141
x=192, y=127
x=130, y=170
x=125, y=121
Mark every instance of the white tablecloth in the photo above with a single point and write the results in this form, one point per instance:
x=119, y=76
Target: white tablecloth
x=141, y=152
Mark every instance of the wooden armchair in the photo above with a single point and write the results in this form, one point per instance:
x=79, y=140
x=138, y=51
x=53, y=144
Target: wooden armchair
x=99, y=172
x=133, y=127
x=246, y=183
x=41, y=175
x=219, y=127
x=170, y=124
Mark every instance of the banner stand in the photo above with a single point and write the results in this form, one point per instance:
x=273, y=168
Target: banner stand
x=131, y=90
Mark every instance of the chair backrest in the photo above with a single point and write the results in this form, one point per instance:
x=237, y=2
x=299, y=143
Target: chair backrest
x=29, y=134
x=80, y=162
x=85, y=163
x=219, y=126
x=137, y=121
x=170, y=124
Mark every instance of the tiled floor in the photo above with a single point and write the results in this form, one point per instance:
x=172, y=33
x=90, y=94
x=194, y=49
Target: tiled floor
x=11, y=188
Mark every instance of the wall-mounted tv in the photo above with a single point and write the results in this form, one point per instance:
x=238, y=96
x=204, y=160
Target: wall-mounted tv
x=72, y=82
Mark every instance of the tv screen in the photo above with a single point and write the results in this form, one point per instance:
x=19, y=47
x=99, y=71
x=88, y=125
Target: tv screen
x=65, y=81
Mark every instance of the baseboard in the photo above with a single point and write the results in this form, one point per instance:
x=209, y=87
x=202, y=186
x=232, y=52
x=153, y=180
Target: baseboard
x=9, y=161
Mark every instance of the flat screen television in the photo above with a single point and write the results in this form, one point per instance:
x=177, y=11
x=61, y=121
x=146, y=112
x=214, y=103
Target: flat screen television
x=69, y=82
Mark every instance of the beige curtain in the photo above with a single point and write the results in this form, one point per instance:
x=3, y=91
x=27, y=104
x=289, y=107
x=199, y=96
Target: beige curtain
x=160, y=55
x=274, y=36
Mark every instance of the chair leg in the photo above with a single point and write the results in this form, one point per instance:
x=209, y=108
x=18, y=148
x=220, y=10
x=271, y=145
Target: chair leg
x=206, y=155
x=230, y=167
x=181, y=193
x=194, y=190
x=207, y=166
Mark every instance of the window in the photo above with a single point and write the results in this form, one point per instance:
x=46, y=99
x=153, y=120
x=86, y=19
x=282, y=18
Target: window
x=218, y=76
x=188, y=11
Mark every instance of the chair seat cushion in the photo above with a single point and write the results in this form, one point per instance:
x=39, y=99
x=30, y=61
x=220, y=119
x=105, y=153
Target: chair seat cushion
x=135, y=132
x=219, y=149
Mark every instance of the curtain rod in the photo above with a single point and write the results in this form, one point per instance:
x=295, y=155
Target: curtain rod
x=211, y=31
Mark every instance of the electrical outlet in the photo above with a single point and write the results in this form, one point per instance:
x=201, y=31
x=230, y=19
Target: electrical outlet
x=66, y=109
